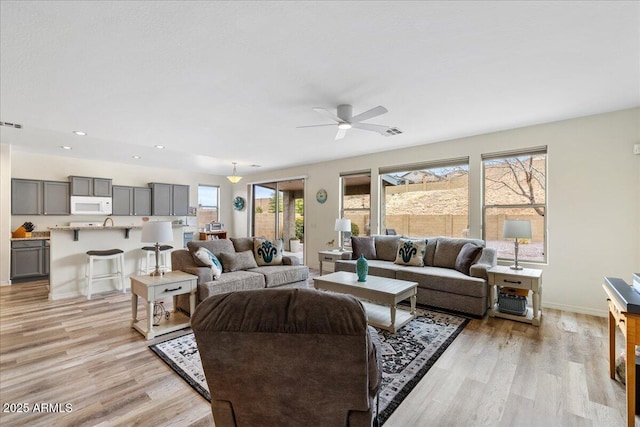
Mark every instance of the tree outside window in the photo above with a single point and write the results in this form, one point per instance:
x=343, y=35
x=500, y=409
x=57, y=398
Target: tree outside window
x=515, y=188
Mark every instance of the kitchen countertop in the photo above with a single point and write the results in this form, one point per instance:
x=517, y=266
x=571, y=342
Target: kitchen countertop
x=29, y=238
x=109, y=227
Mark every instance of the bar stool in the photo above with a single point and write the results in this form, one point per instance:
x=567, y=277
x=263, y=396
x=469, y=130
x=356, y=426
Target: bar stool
x=150, y=264
x=105, y=255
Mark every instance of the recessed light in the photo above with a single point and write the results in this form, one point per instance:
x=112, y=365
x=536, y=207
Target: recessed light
x=65, y=147
x=135, y=157
x=159, y=147
x=79, y=132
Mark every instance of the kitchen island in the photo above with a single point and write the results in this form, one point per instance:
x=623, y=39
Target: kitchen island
x=68, y=259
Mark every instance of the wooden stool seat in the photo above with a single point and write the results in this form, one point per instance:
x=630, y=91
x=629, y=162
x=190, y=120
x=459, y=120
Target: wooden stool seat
x=105, y=255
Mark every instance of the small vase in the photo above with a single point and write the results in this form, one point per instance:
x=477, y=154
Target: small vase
x=362, y=268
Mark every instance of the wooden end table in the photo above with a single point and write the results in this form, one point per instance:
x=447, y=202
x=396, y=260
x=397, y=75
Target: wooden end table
x=151, y=288
x=527, y=278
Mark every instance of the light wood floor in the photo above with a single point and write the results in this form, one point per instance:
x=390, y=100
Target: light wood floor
x=496, y=373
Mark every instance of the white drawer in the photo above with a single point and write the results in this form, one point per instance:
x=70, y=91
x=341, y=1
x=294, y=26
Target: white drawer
x=513, y=281
x=171, y=289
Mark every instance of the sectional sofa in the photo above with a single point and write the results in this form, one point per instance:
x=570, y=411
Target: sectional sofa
x=453, y=275
x=238, y=273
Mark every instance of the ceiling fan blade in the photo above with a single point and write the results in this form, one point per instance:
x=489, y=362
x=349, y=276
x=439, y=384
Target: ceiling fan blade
x=314, y=126
x=327, y=113
x=382, y=130
x=374, y=112
x=341, y=133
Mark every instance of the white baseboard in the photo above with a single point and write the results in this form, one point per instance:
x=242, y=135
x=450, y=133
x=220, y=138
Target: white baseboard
x=5, y=283
x=576, y=309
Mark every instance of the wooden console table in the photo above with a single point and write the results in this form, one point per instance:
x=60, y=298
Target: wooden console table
x=624, y=312
x=211, y=235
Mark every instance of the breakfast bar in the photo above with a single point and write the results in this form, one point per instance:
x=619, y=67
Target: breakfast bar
x=68, y=259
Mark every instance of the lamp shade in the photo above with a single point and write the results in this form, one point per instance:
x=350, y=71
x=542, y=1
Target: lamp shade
x=343, y=224
x=516, y=229
x=157, y=232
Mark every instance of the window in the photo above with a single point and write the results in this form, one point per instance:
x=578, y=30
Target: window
x=278, y=212
x=515, y=188
x=208, y=197
x=427, y=199
x=356, y=204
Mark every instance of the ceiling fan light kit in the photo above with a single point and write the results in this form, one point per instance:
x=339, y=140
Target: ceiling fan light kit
x=345, y=120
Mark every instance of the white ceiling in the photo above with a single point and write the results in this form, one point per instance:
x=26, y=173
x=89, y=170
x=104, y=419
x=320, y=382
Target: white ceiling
x=218, y=82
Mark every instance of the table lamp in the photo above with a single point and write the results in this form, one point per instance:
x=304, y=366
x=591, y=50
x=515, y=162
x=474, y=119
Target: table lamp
x=342, y=225
x=156, y=232
x=516, y=229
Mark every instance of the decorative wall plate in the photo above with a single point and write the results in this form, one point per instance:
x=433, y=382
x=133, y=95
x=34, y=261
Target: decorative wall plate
x=238, y=203
x=321, y=195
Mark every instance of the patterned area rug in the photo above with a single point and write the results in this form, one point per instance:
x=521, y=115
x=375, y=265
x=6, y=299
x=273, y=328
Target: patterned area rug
x=406, y=356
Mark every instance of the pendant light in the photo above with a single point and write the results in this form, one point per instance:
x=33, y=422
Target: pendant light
x=234, y=178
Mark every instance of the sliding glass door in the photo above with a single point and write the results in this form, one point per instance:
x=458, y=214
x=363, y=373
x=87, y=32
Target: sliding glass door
x=278, y=213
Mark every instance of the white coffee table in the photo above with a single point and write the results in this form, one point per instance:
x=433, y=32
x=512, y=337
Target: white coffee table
x=383, y=294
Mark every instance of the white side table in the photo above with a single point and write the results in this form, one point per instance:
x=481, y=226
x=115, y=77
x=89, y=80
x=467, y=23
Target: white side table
x=151, y=288
x=332, y=256
x=528, y=278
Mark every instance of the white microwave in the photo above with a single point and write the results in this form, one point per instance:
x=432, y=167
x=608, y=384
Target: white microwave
x=83, y=205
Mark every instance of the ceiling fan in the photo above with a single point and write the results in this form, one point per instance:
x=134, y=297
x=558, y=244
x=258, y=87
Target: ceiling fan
x=345, y=120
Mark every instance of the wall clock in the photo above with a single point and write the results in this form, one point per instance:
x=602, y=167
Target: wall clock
x=238, y=203
x=321, y=195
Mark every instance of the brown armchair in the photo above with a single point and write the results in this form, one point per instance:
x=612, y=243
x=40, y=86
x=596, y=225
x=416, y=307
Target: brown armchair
x=288, y=357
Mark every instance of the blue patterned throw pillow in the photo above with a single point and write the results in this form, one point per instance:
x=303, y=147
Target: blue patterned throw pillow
x=411, y=252
x=207, y=257
x=268, y=252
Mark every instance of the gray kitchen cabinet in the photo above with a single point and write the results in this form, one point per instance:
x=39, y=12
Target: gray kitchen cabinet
x=180, y=200
x=122, y=203
x=141, y=201
x=102, y=187
x=88, y=186
x=160, y=199
x=169, y=199
x=27, y=259
x=26, y=197
x=33, y=197
x=56, y=198
x=45, y=258
x=131, y=200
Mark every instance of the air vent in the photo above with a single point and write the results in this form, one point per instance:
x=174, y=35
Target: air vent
x=11, y=125
x=393, y=131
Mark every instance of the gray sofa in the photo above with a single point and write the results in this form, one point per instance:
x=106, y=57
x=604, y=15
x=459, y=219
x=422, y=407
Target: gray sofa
x=440, y=284
x=290, y=274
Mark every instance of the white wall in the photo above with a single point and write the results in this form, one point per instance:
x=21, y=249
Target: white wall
x=23, y=164
x=5, y=213
x=593, y=198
